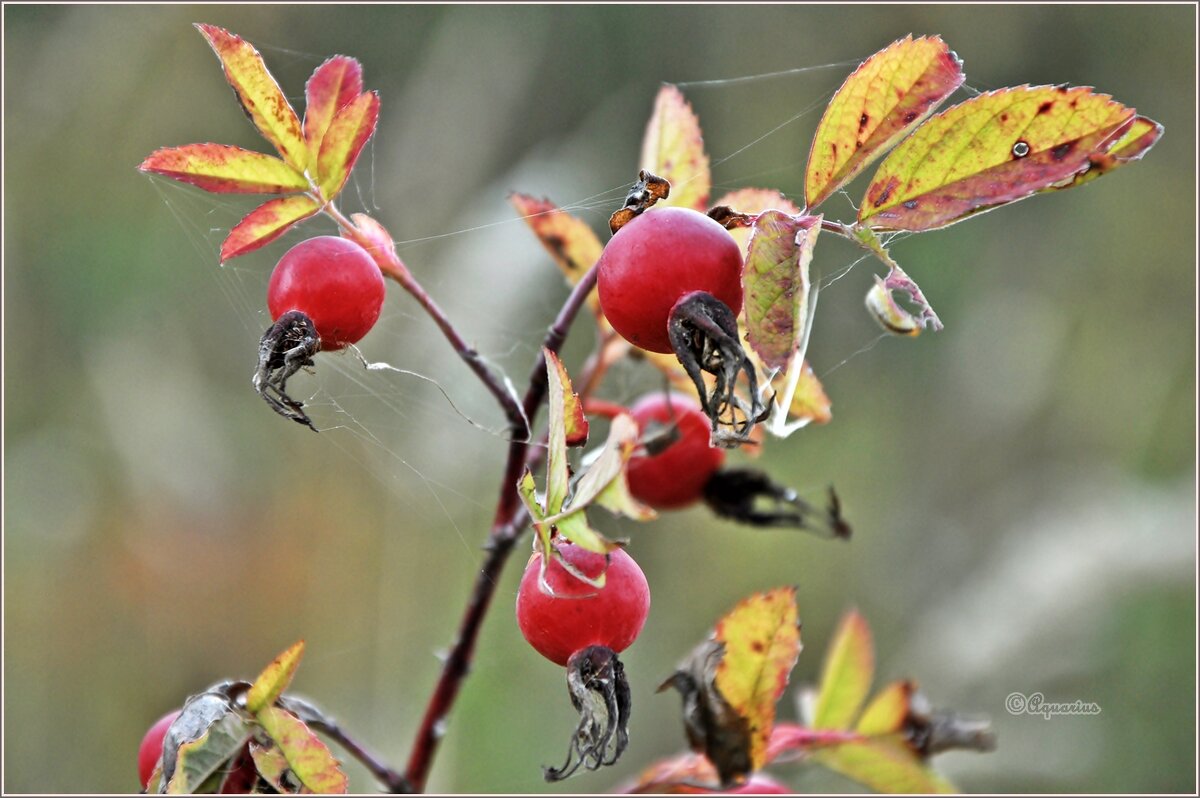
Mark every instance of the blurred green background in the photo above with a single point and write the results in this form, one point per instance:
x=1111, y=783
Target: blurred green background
x=1022, y=485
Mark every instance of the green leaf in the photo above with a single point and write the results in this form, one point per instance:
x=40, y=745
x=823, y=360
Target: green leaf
x=275, y=678
x=991, y=150
x=673, y=148
x=271, y=765
x=558, y=472
x=884, y=764
x=201, y=759
x=846, y=675
x=776, y=284
x=605, y=482
x=308, y=757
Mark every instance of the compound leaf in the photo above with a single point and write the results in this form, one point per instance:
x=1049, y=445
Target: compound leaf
x=886, y=97
x=260, y=96
x=673, y=148
x=991, y=150
x=225, y=169
x=266, y=223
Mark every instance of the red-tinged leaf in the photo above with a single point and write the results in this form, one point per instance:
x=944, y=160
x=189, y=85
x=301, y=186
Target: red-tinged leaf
x=885, y=98
x=260, y=96
x=675, y=776
x=991, y=150
x=791, y=740
x=1143, y=134
x=224, y=169
x=266, y=223
x=673, y=148
x=569, y=240
x=846, y=675
x=575, y=423
x=884, y=764
x=754, y=201
x=308, y=757
x=344, y=140
x=888, y=710
x=761, y=639
x=888, y=313
x=776, y=284
x=275, y=678
x=334, y=85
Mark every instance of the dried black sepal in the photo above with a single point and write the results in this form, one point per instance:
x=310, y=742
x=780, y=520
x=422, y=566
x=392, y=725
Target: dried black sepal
x=931, y=731
x=287, y=346
x=600, y=693
x=751, y=497
x=704, y=334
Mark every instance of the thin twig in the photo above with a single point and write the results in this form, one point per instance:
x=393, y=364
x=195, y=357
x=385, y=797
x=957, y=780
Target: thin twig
x=510, y=520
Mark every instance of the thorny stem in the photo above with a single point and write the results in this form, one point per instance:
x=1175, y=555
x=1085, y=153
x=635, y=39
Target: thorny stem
x=392, y=267
x=510, y=520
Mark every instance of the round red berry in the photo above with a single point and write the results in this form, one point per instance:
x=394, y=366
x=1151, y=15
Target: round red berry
x=150, y=751
x=579, y=615
x=674, y=477
x=657, y=258
x=335, y=283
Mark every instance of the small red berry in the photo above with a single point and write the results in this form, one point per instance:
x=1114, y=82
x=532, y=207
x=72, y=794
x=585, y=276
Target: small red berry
x=579, y=615
x=674, y=477
x=654, y=260
x=150, y=751
x=335, y=283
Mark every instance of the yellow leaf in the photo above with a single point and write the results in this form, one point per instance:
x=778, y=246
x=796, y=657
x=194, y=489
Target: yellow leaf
x=308, y=757
x=266, y=223
x=887, y=710
x=673, y=148
x=761, y=639
x=275, y=678
x=260, y=96
x=885, y=765
x=225, y=169
x=993, y=149
x=885, y=98
x=344, y=140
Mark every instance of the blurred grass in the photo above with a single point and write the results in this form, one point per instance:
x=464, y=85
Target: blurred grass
x=1022, y=484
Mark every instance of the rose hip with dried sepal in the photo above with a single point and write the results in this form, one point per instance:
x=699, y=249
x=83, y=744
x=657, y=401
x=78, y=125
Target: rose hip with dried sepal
x=576, y=624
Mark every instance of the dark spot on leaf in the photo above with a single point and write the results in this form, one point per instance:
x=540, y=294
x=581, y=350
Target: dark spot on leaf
x=910, y=204
x=1045, y=107
x=833, y=147
x=862, y=121
x=1004, y=117
x=757, y=646
x=1062, y=151
x=909, y=117
x=1020, y=149
x=885, y=192
x=858, y=145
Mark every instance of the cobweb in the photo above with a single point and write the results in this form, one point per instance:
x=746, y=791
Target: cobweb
x=404, y=385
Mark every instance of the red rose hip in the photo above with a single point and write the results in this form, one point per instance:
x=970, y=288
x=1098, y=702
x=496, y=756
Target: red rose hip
x=579, y=615
x=150, y=750
x=334, y=282
x=657, y=258
x=673, y=477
